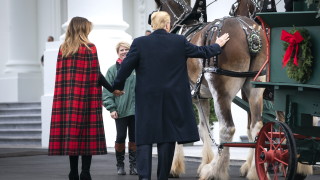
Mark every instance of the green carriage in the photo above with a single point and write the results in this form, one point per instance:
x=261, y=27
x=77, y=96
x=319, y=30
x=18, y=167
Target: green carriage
x=297, y=139
x=280, y=145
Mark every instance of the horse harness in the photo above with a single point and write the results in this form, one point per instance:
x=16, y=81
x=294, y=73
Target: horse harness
x=214, y=29
x=179, y=18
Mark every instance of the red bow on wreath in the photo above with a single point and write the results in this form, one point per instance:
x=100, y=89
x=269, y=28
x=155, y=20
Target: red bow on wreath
x=293, y=40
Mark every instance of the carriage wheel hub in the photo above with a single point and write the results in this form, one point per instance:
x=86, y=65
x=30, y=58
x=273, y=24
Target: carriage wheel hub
x=272, y=156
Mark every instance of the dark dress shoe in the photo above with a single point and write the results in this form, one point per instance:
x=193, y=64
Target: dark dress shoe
x=85, y=175
x=73, y=176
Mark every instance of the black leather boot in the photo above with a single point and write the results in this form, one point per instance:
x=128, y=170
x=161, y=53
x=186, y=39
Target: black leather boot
x=120, y=152
x=73, y=175
x=132, y=158
x=85, y=170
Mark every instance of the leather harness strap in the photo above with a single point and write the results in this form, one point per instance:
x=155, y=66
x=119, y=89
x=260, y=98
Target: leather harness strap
x=215, y=30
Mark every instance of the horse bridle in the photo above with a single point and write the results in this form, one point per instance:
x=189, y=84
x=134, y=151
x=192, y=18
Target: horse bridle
x=184, y=6
x=236, y=5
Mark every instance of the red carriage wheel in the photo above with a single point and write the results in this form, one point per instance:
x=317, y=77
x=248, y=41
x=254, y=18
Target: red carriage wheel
x=275, y=153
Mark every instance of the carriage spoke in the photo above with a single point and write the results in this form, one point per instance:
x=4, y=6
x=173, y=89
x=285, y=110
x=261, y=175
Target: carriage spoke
x=280, y=161
x=261, y=162
x=281, y=140
x=285, y=153
x=275, y=171
x=271, y=139
x=261, y=147
x=284, y=170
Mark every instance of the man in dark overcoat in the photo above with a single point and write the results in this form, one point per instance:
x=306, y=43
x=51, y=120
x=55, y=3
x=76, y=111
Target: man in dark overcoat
x=164, y=112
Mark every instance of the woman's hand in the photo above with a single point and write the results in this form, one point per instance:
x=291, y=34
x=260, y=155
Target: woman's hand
x=114, y=115
x=117, y=92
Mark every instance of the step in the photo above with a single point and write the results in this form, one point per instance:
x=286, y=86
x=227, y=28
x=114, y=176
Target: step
x=20, y=105
x=20, y=125
x=18, y=138
x=18, y=146
x=22, y=118
x=20, y=141
x=35, y=133
x=20, y=111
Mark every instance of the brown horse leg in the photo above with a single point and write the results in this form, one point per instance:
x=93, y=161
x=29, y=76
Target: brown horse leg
x=255, y=99
x=218, y=167
x=223, y=90
x=245, y=167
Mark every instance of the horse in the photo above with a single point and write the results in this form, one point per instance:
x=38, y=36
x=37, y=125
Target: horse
x=220, y=78
x=246, y=8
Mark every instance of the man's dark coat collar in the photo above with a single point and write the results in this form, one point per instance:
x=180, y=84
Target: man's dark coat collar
x=160, y=31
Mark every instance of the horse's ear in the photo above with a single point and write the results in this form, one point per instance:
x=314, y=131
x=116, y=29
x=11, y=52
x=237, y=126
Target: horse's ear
x=149, y=18
x=158, y=3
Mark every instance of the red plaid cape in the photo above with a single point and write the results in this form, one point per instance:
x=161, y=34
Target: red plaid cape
x=76, y=121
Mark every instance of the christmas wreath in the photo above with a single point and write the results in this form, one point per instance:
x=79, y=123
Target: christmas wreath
x=297, y=58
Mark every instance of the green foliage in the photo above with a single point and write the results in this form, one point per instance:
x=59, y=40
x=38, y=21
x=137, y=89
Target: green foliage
x=316, y=3
x=302, y=72
x=212, y=118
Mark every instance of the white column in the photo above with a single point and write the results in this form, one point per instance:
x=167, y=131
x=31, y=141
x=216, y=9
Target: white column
x=22, y=79
x=4, y=33
x=22, y=51
x=109, y=29
x=50, y=18
x=109, y=26
x=140, y=10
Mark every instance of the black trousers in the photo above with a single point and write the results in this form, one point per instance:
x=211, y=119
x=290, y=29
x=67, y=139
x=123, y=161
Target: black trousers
x=122, y=124
x=165, y=157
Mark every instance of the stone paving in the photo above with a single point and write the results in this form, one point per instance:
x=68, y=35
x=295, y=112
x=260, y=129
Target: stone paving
x=34, y=164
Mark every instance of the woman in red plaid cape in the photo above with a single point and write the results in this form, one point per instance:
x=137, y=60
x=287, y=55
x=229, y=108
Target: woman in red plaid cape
x=76, y=122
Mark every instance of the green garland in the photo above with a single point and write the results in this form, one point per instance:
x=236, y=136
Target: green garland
x=316, y=4
x=302, y=72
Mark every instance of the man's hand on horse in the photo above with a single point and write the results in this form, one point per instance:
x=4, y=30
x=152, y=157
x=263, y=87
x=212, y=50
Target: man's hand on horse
x=222, y=40
x=118, y=92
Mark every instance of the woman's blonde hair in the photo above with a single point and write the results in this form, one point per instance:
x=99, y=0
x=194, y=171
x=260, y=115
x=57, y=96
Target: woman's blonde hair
x=123, y=44
x=159, y=20
x=77, y=34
